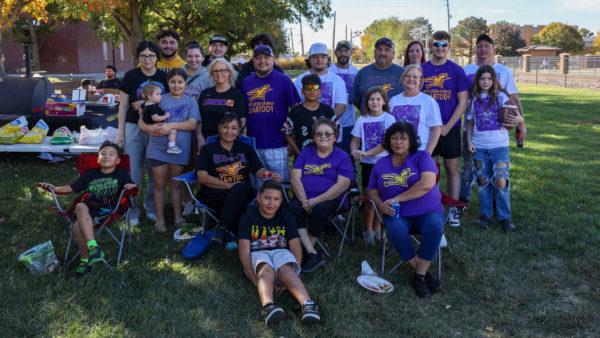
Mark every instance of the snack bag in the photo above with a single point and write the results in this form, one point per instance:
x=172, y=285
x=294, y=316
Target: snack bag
x=62, y=135
x=11, y=132
x=37, y=134
x=40, y=259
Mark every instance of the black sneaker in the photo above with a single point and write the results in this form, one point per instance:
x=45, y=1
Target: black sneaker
x=272, y=313
x=310, y=313
x=484, y=222
x=508, y=225
x=96, y=255
x=82, y=270
x=313, y=262
x=420, y=286
x=432, y=282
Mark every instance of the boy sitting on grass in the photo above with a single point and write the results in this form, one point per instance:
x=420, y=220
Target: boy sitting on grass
x=267, y=234
x=102, y=188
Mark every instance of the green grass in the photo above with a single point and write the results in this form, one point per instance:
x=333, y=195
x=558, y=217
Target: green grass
x=543, y=280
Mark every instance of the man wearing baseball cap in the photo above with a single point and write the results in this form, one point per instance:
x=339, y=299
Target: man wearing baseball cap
x=269, y=95
x=343, y=68
x=248, y=67
x=217, y=48
x=380, y=73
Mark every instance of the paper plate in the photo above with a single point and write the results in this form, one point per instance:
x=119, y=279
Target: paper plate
x=179, y=237
x=375, y=283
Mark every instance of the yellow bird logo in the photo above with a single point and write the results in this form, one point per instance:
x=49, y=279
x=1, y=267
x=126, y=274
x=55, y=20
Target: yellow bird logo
x=231, y=169
x=259, y=93
x=312, y=169
x=436, y=80
x=395, y=179
x=386, y=87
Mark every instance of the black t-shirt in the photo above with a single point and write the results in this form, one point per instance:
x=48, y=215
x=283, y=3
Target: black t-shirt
x=228, y=166
x=132, y=84
x=213, y=106
x=109, y=84
x=267, y=233
x=148, y=111
x=302, y=119
x=103, y=189
x=247, y=70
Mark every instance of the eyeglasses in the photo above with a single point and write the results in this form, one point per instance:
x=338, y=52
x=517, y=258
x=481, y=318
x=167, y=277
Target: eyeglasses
x=440, y=44
x=326, y=134
x=220, y=71
x=311, y=87
x=147, y=57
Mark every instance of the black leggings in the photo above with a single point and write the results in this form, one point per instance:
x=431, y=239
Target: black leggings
x=229, y=204
x=317, y=219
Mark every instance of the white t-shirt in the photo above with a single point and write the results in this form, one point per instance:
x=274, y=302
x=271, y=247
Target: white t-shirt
x=505, y=76
x=370, y=130
x=422, y=111
x=333, y=89
x=488, y=133
x=347, y=74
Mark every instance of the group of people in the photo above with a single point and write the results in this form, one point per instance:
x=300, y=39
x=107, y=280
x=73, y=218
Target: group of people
x=178, y=112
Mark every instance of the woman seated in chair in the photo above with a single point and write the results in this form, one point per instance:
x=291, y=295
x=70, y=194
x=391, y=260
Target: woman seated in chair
x=408, y=176
x=223, y=169
x=321, y=175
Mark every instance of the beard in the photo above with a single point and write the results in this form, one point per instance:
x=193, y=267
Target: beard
x=343, y=60
x=167, y=56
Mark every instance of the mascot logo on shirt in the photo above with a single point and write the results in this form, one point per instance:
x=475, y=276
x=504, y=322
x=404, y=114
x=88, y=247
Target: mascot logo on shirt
x=386, y=87
x=312, y=169
x=231, y=173
x=395, y=179
x=259, y=93
x=436, y=80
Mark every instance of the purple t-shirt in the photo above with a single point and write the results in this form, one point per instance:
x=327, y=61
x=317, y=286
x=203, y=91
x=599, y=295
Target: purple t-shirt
x=320, y=174
x=269, y=99
x=392, y=181
x=443, y=83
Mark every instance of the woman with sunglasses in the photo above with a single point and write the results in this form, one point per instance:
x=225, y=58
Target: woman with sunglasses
x=321, y=175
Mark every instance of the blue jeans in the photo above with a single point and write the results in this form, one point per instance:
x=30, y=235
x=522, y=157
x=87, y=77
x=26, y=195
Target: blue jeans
x=493, y=181
x=135, y=145
x=467, y=173
x=430, y=226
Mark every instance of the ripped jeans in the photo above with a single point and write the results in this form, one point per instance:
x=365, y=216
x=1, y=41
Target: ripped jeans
x=492, y=167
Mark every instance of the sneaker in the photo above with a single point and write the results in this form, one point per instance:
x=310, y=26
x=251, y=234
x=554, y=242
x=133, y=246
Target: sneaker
x=313, y=262
x=96, y=255
x=310, y=313
x=188, y=209
x=484, y=222
x=454, y=217
x=160, y=226
x=443, y=242
x=272, y=313
x=174, y=150
x=420, y=286
x=369, y=237
x=508, y=225
x=82, y=270
x=432, y=282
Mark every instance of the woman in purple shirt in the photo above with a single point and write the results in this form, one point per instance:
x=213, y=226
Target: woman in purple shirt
x=408, y=176
x=321, y=175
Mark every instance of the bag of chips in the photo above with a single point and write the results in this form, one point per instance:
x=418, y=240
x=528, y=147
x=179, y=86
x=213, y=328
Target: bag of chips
x=62, y=135
x=11, y=132
x=37, y=134
x=40, y=259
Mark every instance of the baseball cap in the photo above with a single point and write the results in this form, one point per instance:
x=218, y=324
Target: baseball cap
x=218, y=38
x=385, y=41
x=317, y=49
x=484, y=37
x=263, y=49
x=343, y=44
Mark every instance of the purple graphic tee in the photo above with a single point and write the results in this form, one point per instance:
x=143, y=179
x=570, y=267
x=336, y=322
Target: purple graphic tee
x=373, y=132
x=486, y=117
x=408, y=113
x=327, y=93
x=320, y=174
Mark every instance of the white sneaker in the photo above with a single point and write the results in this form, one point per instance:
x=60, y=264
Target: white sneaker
x=443, y=242
x=454, y=217
x=188, y=209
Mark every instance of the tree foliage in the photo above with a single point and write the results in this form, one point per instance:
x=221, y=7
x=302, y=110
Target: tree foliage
x=507, y=38
x=465, y=33
x=596, y=45
x=557, y=34
x=586, y=33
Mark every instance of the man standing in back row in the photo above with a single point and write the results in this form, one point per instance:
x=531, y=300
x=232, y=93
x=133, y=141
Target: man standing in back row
x=343, y=68
x=168, y=41
x=448, y=84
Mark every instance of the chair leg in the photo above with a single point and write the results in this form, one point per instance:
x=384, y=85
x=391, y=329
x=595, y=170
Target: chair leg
x=66, y=260
x=322, y=246
x=382, y=256
x=121, y=245
x=345, y=233
x=440, y=264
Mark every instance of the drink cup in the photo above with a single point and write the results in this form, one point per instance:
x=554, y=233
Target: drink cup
x=396, y=206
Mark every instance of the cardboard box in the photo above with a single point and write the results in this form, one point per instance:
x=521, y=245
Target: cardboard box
x=74, y=107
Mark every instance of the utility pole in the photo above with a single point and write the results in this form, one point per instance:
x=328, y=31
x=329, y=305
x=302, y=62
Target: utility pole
x=346, y=36
x=333, y=39
x=301, y=37
x=448, y=11
x=292, y=41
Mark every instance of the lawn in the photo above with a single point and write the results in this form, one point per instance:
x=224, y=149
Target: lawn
x=543, y=280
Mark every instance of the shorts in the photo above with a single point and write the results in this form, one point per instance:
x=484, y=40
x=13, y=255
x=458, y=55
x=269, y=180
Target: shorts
x=98, y=214
x=449, y=146
x=365, y=172
x=156, y=163
x=276, y=160
x=274, y=258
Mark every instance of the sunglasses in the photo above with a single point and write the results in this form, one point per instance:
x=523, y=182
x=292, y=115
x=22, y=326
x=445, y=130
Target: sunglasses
x=220, y=71
x=311, y=87
x=326, y=134
x=440, y=44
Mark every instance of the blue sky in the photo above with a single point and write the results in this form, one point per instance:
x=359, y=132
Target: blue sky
x=358, y=14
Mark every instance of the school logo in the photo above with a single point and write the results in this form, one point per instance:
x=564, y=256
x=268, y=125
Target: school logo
x=259, y=93
x=231, y=173
x=312, y=169
x=386, y=87
x=436, y=80
x=395, y=179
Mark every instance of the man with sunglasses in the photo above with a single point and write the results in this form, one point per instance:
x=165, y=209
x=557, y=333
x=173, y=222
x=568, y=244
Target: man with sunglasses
x=448, y=84
x=168, y=41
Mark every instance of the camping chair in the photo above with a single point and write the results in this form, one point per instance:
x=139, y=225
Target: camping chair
x=119, y=213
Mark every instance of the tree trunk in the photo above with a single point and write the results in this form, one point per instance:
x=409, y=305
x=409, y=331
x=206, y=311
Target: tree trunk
x=2, y=69
x=35, y=48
